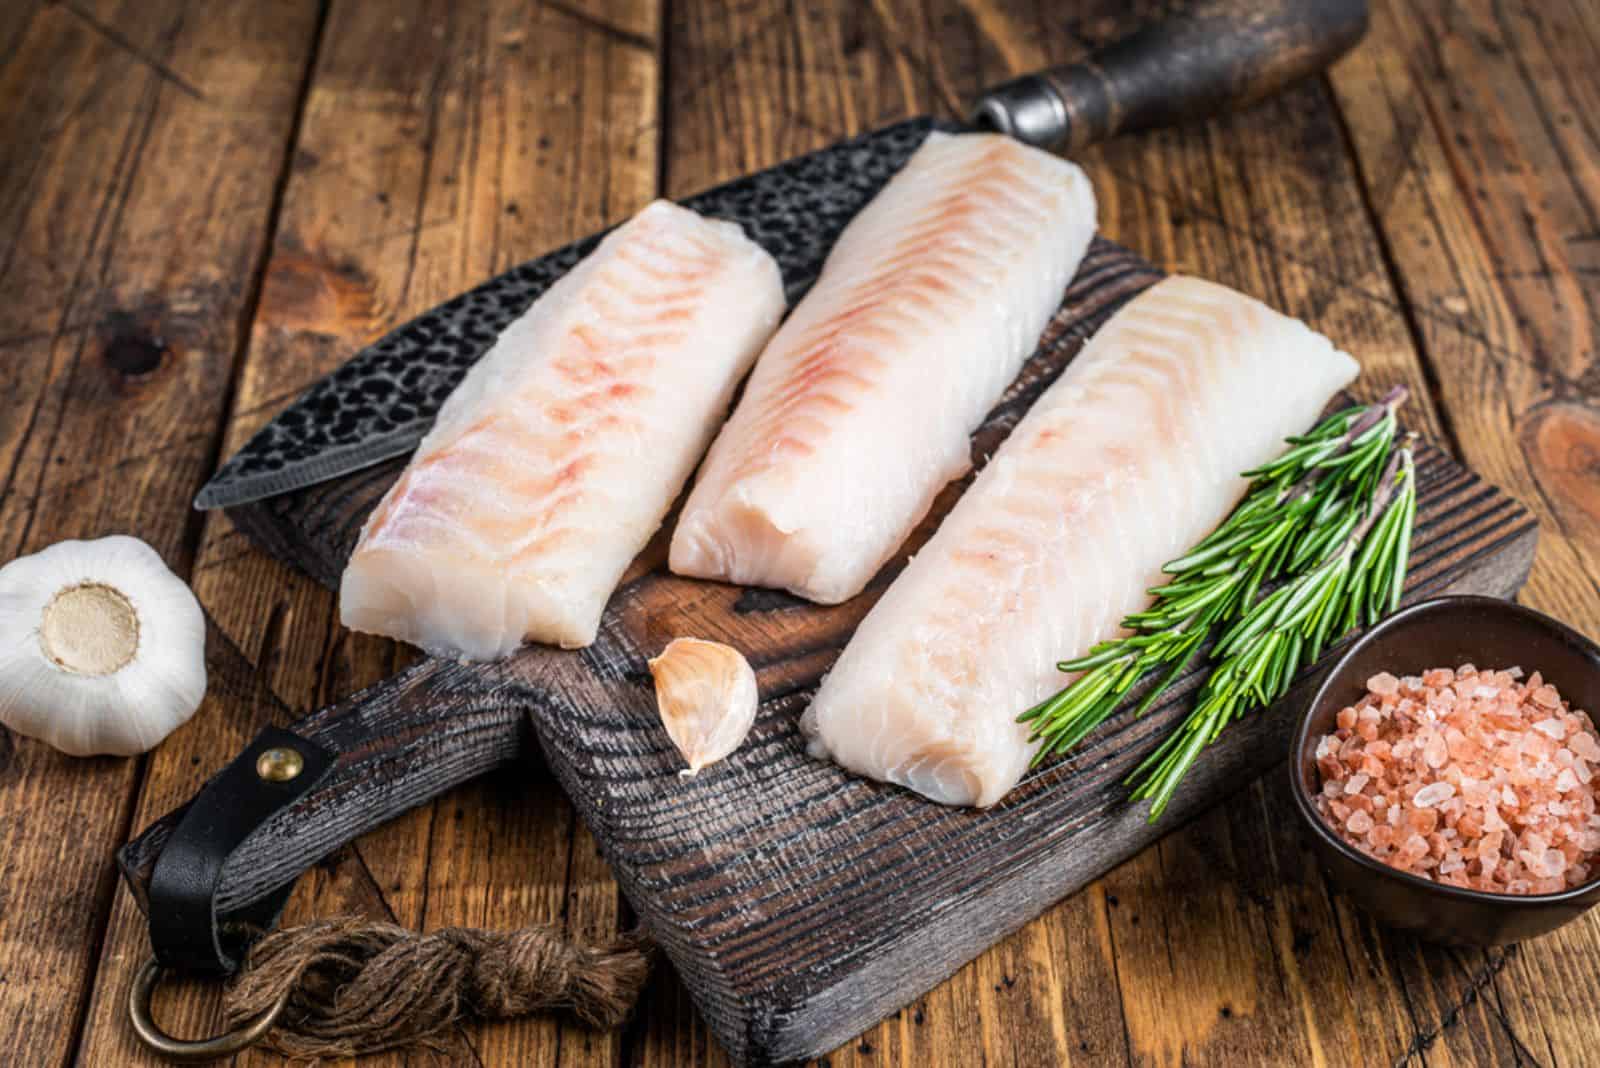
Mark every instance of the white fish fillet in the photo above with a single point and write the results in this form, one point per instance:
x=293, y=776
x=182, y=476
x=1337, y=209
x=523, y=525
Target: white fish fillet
x=1131, y=457
x=559, y=454
x=859, y=410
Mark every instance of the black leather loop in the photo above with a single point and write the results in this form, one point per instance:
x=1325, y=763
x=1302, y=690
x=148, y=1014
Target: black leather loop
x=185, y=930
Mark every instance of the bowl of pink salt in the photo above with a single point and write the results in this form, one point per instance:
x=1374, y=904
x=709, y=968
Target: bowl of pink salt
x=1448, y=771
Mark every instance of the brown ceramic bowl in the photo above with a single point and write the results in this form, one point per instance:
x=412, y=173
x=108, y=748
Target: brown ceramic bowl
x=1443, y=633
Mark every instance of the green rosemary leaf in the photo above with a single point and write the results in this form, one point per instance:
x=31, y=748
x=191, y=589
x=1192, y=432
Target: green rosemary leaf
x=1167, y=680
x=1103, y=653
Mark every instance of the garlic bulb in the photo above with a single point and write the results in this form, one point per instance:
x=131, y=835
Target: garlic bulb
x=102, y=649
x=706, y=694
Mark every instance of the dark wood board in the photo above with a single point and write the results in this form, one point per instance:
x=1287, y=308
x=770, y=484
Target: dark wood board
x=798, y=903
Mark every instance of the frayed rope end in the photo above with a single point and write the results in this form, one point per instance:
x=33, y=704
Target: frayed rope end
x=357, y=986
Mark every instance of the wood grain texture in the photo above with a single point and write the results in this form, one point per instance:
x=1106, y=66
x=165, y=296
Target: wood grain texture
x=440, y=142
x=124, y=130
x=799, y=903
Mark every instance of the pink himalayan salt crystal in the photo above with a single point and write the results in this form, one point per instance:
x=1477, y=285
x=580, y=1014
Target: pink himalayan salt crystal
x=1432, y=794
x=1584, y=746
x=1473, y=778
x=1552, y=727
x=1383, y=684
x=1414, y=848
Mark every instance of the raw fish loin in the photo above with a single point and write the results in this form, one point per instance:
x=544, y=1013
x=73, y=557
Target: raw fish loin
x=1131, y=457
x=859, y=410
x=559, y=454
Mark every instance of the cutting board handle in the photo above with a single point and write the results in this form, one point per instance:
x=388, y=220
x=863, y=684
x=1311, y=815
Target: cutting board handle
x=1218, y=55
x=394, y=746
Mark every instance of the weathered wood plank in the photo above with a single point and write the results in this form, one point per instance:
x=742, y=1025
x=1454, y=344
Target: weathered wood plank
x=14, y=25
x=1473, y=135
x=468, y=141
x=126, y=129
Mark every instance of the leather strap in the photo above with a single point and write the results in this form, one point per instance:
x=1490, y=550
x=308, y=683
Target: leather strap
x=185, y=930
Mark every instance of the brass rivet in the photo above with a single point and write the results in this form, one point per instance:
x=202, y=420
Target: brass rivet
x=280, y=764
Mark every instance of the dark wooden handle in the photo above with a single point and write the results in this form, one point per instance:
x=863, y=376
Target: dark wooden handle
x=399, y=743
x=1218, y=55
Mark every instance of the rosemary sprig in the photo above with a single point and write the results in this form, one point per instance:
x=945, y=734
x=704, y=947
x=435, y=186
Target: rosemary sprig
x=1360, y=579
x=1330, y=519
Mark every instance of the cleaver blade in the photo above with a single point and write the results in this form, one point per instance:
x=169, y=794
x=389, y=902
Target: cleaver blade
x=382, y=401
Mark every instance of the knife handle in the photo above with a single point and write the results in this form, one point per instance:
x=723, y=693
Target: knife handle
x=1218, y=55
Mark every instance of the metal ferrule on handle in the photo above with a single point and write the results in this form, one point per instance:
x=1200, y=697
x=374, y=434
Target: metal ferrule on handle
x=1220, y=54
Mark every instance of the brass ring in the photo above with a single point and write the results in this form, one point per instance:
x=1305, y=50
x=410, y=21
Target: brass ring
x=183, y=1051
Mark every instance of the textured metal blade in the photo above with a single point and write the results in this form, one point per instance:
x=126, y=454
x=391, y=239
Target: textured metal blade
x=382, y=402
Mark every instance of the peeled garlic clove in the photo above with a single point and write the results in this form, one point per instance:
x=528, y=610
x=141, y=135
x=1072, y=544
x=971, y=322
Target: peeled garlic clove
x=706, y=694
x=102, y=649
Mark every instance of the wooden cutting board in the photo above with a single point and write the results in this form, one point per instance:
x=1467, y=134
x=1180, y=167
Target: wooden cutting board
x=801, y=904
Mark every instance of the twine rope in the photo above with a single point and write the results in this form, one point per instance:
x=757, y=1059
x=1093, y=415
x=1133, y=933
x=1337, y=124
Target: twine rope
x=360, y=987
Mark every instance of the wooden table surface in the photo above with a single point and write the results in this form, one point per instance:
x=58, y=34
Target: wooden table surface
x=207, y=204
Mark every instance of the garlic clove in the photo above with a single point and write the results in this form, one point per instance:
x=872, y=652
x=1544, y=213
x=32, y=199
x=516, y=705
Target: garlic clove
x=706, y=694
x=102, y=648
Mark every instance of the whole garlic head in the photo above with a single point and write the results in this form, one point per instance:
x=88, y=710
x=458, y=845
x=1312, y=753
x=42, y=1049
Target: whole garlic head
x=102, y=648
x=706, y=694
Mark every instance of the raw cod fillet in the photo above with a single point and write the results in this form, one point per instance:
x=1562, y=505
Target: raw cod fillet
x=559, y=454
x=1131, y=457
x=859, y=410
